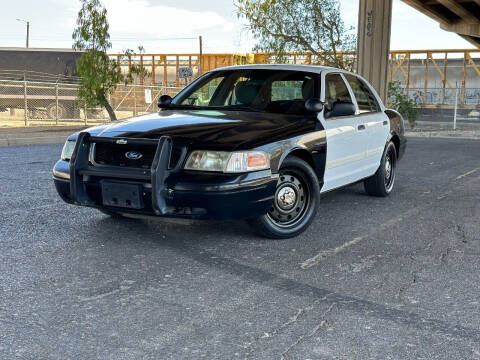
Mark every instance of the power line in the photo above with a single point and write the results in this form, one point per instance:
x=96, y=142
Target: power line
x=111, y=39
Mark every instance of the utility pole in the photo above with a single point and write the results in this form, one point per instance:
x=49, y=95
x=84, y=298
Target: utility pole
x=28, y=31
x=201, y=56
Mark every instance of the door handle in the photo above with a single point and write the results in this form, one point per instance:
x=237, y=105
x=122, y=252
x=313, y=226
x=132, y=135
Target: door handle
x=385, y=123
x=361, y=127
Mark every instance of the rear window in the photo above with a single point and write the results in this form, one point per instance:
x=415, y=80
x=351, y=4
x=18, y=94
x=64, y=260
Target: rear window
x=365, y=98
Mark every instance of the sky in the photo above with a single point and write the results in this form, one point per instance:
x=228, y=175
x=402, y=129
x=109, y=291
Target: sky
x=173, y=26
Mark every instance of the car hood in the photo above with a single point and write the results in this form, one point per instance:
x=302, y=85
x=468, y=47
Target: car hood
x=216, y=130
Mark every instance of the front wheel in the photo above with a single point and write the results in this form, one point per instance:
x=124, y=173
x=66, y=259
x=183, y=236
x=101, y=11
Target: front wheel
x=381, y=183
x=295, y=202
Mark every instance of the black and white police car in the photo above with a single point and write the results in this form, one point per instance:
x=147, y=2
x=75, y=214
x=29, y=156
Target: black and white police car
x=254, y=142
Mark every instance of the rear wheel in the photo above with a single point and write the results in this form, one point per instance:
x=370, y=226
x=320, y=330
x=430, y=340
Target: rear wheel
x=381, y=183
x=295, y=202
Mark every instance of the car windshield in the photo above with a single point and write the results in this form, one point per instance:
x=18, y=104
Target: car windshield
x=255, y=90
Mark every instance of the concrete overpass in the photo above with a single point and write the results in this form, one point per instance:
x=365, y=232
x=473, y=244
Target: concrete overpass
x=458, y=16
x=374, y=28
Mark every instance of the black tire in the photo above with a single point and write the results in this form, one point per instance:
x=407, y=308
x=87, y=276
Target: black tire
x=112, y=214
x=381, y=183
x=295, y=203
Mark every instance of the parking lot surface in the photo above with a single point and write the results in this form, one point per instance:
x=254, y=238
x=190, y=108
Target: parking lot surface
x=372, y=278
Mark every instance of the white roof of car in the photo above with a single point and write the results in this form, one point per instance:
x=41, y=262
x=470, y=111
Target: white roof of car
x=291, y=67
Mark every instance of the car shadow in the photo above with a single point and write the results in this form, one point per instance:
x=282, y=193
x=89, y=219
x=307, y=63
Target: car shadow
x=214, y=231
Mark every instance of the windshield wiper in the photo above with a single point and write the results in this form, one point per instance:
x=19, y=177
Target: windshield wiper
x=219, y=108
x=243, y=108
x=185, y=107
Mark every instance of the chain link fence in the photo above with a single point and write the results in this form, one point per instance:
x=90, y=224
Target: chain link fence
x=39, y=102
x=30, y=102
x=447, y=109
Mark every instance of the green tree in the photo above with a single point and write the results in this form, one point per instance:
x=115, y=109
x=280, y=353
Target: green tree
x=99, y=75
x=313, y=26
x=398, y=100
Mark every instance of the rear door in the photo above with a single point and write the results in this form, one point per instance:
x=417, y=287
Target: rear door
x=345, y=141
x=372, y=117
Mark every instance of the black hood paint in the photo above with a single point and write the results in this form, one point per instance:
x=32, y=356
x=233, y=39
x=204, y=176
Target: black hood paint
x=215, y=130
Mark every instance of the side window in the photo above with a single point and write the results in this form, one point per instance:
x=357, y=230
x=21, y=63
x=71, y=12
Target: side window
x=335, y=90
x=286, y=90
x=293, y=88
x=248, y=90
x=365, y=99
x=203, y=96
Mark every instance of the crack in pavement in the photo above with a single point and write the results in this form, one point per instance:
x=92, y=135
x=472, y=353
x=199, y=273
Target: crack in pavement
x=291, y=320
x=461, y=234
x=309, y=335
x=403, y=289
x=284, y=284
x=444, y=254
x=322, y=255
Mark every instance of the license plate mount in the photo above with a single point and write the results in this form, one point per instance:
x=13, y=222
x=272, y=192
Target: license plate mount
x=122, y=195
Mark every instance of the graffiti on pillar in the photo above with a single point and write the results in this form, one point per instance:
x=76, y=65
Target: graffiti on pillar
x=370, y=27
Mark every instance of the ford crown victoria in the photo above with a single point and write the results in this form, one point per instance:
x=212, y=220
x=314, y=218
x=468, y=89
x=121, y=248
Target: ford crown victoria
x=254, y=142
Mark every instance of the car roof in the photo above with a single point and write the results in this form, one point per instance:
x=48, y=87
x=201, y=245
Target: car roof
x=292, y=67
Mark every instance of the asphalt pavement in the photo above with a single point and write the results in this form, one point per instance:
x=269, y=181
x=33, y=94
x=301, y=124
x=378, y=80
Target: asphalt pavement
x=29, y=135
x=372, y=278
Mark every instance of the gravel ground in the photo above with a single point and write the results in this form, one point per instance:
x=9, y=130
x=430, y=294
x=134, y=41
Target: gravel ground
x=372, y=278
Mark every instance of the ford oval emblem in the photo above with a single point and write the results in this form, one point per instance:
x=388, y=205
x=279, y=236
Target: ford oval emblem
x=133, y=155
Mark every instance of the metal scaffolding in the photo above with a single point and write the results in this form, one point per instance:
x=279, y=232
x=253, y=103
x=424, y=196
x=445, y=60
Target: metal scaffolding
x=431, y=77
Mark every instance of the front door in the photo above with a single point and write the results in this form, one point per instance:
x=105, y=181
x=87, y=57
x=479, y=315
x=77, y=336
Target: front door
x=375, y=121
x=345, y=139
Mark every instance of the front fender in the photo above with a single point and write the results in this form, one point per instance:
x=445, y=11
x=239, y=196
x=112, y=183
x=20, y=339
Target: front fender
x=397, y=131
x=397, y=126
x=310, y=147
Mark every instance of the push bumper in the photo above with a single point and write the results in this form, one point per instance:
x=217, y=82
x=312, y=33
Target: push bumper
x=165, y=192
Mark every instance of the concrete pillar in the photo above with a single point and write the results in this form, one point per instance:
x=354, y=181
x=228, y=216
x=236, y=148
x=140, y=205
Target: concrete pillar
x=374, y=28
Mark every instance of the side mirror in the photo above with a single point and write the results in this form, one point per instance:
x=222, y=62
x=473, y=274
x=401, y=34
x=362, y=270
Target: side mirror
x=314, y=105
x=164, y=101
x=341, y=108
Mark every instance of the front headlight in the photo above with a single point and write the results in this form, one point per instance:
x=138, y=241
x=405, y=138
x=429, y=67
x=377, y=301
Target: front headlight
x=67, y=150
x=226, y=162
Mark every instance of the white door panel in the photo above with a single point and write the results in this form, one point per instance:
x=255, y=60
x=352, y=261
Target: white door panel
x=345, y=151
x=377, y=128
x=371, y=115
x=345, y=140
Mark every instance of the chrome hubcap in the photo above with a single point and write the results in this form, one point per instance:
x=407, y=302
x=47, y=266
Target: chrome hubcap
x=388, y=167
x=291, y=200
x=286, y=198
x=389, y=172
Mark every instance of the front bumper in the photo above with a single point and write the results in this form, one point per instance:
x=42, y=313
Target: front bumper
x=168, y=193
